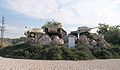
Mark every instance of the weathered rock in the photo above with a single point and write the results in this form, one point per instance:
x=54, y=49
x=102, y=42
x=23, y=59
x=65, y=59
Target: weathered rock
x=100, y=40
x=65, y=38
x=41, y=39
x=57, y=40
x=93, y=43
x=83, y=41
x=44, y=40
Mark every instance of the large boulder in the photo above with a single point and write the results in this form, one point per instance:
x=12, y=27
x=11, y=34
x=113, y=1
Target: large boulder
x=100, y=40
x=83, y=41
x=56, y=40
x=44, y=40
x=40, y=38
x=92, y=41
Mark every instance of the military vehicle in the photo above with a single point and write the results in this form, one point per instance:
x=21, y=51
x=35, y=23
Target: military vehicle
x=81, y=30
x=86, y=38
x=32, y=33
x=47, y=35
x=55, y=29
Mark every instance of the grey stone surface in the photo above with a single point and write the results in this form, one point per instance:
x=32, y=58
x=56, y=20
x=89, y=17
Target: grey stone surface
x=23, y=64
x=57, y=41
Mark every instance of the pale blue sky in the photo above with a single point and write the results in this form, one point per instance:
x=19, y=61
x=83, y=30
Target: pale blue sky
x=72, y=13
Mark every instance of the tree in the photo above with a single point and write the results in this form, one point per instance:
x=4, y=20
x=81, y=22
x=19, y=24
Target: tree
x=111, y=33
x=103, y=28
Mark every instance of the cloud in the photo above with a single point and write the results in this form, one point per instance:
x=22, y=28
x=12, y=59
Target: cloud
x=85, y=12
x=37, y=8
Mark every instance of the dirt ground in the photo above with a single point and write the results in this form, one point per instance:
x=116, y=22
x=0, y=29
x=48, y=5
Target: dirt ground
x=23, y=64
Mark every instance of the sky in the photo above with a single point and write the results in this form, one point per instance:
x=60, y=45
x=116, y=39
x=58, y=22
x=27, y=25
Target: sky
x=71, y=13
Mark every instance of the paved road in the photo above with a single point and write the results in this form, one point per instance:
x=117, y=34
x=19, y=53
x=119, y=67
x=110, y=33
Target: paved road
x=22, y=64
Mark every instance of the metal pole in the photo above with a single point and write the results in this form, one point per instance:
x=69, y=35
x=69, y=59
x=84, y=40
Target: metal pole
x=78, y=34
x=2, y=31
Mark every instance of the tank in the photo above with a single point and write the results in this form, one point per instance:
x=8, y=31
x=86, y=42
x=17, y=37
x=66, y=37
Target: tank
x=84, y=29
x=81, y=30
x=86, y=38
x=33, y=32
x=55, y=29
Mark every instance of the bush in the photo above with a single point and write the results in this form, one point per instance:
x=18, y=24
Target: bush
x=84, y=53
x=115, y=51
x=102, y=54
x=26, y=51
x=111, y=33
x=55, y=53
x=84, y=56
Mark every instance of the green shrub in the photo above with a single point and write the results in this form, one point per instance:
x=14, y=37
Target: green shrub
x=114, y=49
x=26, y=51
x=70, y=55
x=102, y=54
x=55, y=53
x=82, y=55
x=111, y=33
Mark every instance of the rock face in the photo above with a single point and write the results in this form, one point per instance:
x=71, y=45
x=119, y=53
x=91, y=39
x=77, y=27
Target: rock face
x=83, y=40
x=100, y=40
x=40, y=38
x=92, y=41
x=56, y=40
x=88, y=39
x=44, y=39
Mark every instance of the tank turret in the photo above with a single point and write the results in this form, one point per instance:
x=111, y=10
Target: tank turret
x=55, y=29
x=84, y=29
x=33, y=32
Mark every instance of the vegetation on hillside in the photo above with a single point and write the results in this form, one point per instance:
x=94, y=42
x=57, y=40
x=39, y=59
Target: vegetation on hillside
x=28, y=51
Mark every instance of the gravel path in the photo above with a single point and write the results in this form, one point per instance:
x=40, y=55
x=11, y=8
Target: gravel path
x=22, y=64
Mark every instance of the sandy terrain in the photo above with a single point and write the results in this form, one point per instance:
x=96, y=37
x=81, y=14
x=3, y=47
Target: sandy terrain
x=21, y=64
